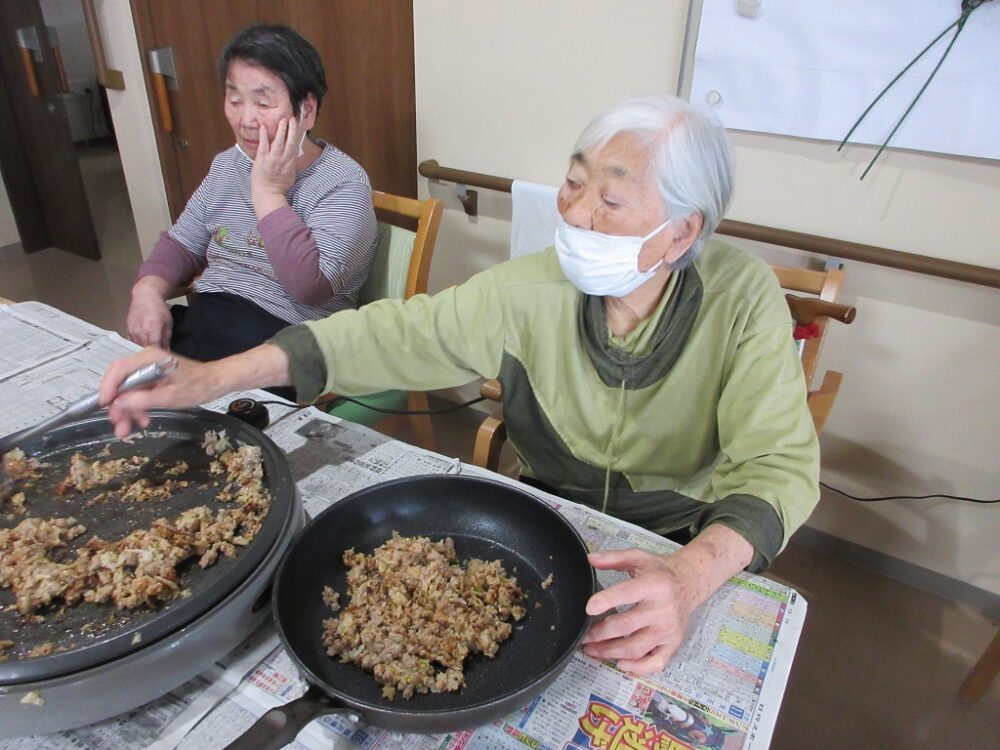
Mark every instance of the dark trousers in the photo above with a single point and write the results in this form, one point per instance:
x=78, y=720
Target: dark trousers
x=216, y=325
x=681, y=536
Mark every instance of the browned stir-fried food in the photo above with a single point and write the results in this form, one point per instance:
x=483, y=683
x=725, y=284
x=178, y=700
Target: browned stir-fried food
x=43, y=649
x=16, y=465
x=24, y=564
x=142, y=567
x=142, y=490
x=84, y=474
x=16, y=501
x=415, y=614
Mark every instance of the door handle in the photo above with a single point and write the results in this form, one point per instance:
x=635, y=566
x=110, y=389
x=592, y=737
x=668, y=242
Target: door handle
x=57, y=56
x=109, y=78
x=27, y=40
x=162, y=75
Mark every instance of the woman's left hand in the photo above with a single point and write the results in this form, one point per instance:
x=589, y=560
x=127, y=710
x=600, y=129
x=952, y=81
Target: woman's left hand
x=273, y=172
x=644, y=637
x=661, y=593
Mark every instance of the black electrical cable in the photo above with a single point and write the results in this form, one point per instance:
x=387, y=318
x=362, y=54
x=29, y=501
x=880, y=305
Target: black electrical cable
x=413, y=412
x=909, y=497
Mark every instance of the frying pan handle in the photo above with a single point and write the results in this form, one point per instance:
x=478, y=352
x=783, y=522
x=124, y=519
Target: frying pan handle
x=279, y=726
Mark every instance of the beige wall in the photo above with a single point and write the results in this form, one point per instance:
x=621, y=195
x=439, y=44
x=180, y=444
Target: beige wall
x=505, y=88
x=8, y=228
x=133, y=122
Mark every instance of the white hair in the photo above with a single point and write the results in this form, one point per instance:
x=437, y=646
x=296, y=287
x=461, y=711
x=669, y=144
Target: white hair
x=691, y=159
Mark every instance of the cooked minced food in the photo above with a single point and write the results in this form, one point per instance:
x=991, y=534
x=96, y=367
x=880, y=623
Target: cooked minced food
x=84, y=474
x=17, y=465
x=415, y=614
x=16, y=468
x=140, y=568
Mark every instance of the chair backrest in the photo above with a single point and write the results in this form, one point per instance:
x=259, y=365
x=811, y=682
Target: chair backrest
x=824, y=285
x=407, y=230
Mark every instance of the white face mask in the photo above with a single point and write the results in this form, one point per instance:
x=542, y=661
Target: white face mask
x=602, y=265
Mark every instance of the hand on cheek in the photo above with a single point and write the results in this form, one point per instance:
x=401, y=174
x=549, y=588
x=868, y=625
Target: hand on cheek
x=273, y=172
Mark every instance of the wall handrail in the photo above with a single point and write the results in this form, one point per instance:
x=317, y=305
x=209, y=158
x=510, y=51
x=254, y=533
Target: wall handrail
x=879, y=256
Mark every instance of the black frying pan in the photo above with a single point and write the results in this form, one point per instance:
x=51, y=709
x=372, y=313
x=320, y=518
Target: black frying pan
x=485, y=519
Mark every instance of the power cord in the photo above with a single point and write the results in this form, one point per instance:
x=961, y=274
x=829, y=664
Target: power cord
x=908, y=497
x=413, y=412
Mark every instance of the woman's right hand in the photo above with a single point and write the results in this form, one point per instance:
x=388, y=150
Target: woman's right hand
x=190, y=384
x=149, y=322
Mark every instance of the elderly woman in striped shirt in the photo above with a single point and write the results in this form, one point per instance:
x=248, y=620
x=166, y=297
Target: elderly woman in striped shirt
x=282, y=229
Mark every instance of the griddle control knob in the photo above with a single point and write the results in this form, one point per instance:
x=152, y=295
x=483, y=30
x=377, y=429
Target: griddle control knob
x=250, y=411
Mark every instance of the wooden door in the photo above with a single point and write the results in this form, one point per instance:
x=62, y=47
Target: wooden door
x=367, y=50
x=37, y=155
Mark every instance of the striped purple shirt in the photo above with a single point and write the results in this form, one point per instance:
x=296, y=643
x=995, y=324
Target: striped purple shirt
x=300, y=263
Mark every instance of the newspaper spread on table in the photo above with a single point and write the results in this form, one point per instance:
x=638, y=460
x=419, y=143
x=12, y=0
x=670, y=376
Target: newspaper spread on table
x=721, y=690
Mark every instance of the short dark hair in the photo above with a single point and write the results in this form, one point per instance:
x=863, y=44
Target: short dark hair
x=284, y=52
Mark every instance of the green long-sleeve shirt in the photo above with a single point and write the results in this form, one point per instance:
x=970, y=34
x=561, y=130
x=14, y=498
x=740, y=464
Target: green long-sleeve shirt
x=699, y=417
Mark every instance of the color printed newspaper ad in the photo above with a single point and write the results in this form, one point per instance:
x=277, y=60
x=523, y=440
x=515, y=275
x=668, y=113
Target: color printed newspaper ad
x=721, y=691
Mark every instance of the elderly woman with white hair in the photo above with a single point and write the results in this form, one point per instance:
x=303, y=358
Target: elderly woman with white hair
x=646, y=372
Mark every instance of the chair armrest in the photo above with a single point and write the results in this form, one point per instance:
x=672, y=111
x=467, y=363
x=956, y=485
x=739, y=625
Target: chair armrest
x=186, y=291
x=490, y=438
x=492, y=431
x=491, y=390
x=807, y=309
x=322, y=402
x=821, y=400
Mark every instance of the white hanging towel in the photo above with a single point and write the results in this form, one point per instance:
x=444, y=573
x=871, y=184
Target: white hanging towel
x=535, y=217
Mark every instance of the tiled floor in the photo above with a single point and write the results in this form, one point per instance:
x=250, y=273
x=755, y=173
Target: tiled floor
x=95, y=291
x=879, y=663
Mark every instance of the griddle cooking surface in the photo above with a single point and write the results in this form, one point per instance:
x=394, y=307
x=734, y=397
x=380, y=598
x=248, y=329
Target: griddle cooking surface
x=88, y=634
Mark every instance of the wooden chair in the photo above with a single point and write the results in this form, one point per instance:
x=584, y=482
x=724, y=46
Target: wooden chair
x=819, y=308
x=407, y=230
x=983, y=673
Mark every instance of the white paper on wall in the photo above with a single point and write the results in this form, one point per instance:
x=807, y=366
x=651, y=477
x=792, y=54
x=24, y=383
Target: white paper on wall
x=809, y=68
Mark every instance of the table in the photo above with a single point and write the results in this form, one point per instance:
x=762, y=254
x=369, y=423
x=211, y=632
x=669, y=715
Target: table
x=728, y=676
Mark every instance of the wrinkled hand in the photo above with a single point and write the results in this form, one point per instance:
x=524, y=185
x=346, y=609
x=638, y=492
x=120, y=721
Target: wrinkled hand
x=148, y=321
x=644, y=637
x=192, y=383
x=273, y=172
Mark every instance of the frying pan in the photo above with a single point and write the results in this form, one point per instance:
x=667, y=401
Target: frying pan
x=93, y=634
x=486, y=519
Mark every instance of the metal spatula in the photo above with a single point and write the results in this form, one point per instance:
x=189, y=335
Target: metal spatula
x=82, y=407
